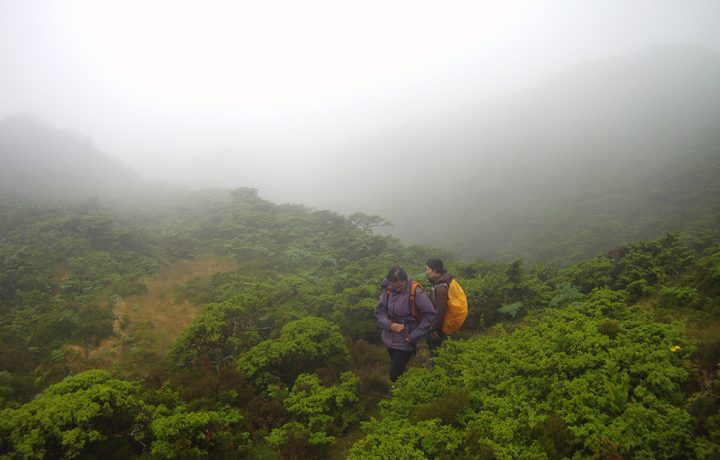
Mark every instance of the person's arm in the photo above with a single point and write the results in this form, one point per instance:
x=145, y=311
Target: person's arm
x=426, y=309
x=441, y=298
x=381, y=312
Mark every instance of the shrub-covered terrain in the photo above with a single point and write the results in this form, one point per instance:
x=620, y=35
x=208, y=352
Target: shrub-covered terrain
x=615, y=357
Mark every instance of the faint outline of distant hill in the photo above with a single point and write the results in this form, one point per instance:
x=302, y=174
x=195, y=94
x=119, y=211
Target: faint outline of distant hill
x=505, y=167
x=39, y=161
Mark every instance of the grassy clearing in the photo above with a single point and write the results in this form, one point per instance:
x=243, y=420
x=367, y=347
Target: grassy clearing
x=147, y=325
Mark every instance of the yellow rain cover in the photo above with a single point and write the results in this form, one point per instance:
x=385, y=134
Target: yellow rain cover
x=457, y=308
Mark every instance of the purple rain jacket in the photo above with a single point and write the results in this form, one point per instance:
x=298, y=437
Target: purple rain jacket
x=396, y=309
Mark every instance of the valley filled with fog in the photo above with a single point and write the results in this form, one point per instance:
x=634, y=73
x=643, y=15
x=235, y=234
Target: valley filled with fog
x=467, y=126
x=618, y=140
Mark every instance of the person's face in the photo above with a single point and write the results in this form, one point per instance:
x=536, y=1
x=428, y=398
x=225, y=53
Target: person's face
x=398, y=285
x=432, y=274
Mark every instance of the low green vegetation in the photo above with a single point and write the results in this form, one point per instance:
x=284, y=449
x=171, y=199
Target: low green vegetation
x=614, y=357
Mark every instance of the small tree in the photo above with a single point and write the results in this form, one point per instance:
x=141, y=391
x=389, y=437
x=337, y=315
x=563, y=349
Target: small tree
x=303, y=346
x=199, y=434
x=73, y=417
x=221, y=331
x=320, y=413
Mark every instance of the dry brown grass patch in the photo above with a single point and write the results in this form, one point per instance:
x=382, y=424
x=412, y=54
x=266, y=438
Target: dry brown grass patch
x=147, y=325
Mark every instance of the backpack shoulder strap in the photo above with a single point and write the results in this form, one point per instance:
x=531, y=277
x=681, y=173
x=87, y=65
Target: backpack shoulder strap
x=415, y=285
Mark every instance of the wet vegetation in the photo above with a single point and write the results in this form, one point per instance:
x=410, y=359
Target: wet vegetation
x=277, y=355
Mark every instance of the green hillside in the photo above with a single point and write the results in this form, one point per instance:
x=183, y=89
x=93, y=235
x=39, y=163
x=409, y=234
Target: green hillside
x=231, y=327
x=641, y=201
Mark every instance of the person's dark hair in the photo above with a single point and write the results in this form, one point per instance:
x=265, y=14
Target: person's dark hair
x=436, y=265
x=396, y=274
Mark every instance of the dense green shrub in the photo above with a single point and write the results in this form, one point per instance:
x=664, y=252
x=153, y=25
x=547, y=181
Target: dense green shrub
x=202, y=434
x=319, y=414
x=677, y=297
x=302, y=346
x=217, y=336
x=72, y=418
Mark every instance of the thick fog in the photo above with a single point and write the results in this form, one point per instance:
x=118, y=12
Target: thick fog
x=370, y=106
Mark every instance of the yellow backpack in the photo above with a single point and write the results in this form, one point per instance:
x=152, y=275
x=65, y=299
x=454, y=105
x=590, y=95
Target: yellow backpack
x=457, y=308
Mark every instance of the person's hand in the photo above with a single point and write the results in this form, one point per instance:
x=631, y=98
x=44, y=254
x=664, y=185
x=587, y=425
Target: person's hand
x=397, y=327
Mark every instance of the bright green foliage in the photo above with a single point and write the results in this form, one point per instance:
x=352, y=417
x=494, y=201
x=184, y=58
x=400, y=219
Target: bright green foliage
x=671, y=267
x=302, y=346
x=565, y=294
x=203, y=434
x=511, y=309
x=319, y=413
x=677, y=297
x=507, y=289
x=557, y=385
x=93, y=415
x=597, y=272
x=407, y=441
x=72, y=417
x=220, y=332
x=636, y=267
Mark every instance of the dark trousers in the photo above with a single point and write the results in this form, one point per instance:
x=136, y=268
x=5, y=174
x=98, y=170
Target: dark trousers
x=398, y=361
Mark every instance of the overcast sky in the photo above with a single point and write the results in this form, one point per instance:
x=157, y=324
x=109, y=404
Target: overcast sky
x=276, y=82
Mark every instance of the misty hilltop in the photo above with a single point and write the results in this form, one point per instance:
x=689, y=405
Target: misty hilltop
x=39, y=161
x=607, y=152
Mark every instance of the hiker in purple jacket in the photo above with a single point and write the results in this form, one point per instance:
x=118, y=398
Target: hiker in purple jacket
x=400, y=329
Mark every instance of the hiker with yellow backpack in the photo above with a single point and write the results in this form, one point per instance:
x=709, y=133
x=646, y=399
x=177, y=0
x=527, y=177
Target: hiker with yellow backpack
x=450, y=303
x=405, y=314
